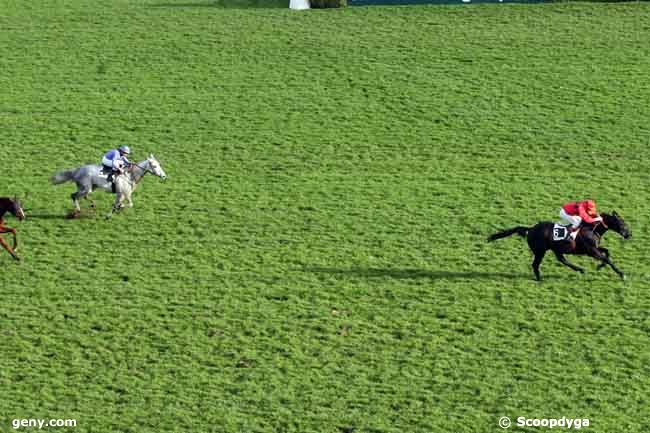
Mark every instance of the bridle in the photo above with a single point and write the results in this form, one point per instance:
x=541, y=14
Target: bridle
x=144, y=169
x=595, y=232
x=599, y=223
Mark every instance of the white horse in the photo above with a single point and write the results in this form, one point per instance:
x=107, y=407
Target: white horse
x=90, y=178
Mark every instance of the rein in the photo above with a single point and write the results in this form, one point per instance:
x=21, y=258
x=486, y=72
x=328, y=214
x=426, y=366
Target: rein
x=595, y=232
x=145, y=170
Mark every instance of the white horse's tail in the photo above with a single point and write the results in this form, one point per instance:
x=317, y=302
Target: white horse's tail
x=62, y=176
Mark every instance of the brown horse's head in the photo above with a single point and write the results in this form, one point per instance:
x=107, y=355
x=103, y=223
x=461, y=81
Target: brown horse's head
x=615, y=222
x=17, y=209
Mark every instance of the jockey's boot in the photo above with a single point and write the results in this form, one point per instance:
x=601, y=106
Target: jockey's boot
x=111, y=179
x=573, y=232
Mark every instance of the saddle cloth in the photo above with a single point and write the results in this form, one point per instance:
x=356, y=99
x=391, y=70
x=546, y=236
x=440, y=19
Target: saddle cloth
x=560, y=232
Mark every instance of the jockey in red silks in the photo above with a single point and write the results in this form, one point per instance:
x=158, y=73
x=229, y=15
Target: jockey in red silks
x=576, y=212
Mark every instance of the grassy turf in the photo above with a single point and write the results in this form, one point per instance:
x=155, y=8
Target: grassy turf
x=316, y=261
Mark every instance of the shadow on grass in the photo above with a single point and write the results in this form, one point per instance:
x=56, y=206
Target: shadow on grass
x=45, y=216
x=226, y=4
x=417, y=273
x=62, y=216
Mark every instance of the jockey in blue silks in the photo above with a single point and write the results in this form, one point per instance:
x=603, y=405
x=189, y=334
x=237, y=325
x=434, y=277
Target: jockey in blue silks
x=115, y=160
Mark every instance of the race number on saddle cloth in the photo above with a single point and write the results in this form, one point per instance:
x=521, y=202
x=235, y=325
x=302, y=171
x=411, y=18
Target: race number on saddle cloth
x=115, y=160
x=574, y=214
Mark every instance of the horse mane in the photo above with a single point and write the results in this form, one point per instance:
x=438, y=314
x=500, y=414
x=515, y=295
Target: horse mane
x=610, y=220
x=610, y=216
x=6, y=201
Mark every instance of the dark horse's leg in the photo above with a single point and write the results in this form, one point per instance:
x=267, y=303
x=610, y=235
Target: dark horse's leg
x=599, y=255
x=538, y=244
x=565, y=262
x=539, y=256
x=605, y=251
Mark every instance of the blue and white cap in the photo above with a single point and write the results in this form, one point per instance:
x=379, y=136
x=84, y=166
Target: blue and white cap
x=124, y=149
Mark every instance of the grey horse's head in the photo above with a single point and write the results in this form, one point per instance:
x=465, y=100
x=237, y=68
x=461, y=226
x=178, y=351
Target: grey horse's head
x=156, y=168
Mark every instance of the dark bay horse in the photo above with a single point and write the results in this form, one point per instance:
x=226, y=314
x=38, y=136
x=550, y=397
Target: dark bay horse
x=540, y=240
x=13, y=206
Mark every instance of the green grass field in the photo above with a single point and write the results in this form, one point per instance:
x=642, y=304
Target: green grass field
x=316, y=261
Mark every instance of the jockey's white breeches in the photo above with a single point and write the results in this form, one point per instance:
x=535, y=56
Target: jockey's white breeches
x=115, y=163
x=574, y=220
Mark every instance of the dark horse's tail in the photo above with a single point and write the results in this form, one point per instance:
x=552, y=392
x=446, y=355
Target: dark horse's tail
x=520, y=230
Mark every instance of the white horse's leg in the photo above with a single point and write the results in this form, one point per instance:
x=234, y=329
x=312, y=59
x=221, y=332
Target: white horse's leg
x=92, y=202
x=126, y=196
x=129, y=199
x=109, y=215
x=116, y=205
x=82, y=191
x=75, y=201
